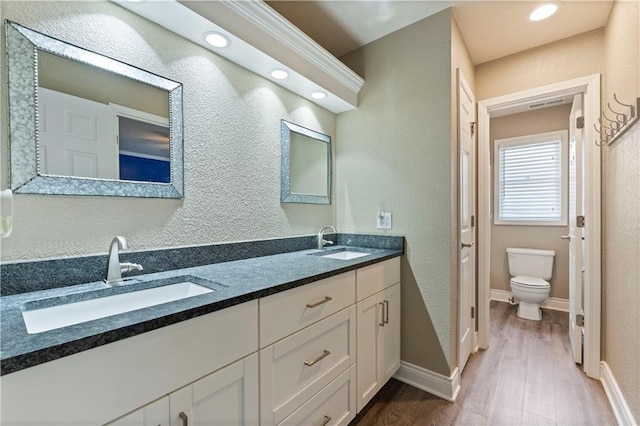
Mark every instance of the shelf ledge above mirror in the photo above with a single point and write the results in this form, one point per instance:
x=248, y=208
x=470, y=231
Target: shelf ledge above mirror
x=260, y=40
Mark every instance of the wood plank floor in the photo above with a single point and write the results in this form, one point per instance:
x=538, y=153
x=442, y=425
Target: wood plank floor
x=526, y=377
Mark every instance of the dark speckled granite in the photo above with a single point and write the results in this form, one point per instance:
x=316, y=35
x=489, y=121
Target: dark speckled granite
x=371, y=241
x=21, y=277
x=235, y=282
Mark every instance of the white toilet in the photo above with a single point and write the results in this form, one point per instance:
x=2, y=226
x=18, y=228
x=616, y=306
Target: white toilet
x=531, y=271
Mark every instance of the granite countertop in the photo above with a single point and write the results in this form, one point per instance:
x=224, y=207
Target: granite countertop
x=234, y=282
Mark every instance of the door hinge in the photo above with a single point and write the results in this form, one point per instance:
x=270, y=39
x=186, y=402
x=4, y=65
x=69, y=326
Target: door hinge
x=580, y=221
x=473, y=220
x=580, y=122
x=473, y=312
x=580, y=320
x=472, y=127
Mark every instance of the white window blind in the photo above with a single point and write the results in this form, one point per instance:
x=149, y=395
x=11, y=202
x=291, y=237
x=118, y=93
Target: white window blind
x=530, y=181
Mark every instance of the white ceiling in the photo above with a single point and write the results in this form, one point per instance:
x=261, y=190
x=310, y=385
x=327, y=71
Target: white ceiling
x=491, y=29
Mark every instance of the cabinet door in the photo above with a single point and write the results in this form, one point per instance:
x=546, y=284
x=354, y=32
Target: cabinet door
x=154, y=414
x=368, y=335
x=390, y=341
x=226, y=397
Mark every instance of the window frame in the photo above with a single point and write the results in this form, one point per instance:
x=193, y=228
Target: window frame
x=564, y=176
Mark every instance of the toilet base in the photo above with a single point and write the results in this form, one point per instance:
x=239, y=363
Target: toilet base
x=530, y=311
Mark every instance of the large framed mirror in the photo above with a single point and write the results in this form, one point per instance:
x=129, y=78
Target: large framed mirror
x=306, y=165
x=81, y=123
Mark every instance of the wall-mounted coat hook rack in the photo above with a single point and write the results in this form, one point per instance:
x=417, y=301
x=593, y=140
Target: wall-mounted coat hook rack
x=612, y=129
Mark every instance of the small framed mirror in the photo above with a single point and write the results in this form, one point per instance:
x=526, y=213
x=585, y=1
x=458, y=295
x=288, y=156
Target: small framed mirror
x=81, y=123
x=306, y=165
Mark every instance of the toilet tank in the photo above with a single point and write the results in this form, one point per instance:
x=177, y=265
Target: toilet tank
x=530, y=262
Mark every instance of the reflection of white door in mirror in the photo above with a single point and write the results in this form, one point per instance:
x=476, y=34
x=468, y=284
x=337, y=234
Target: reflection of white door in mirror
x=75, y=136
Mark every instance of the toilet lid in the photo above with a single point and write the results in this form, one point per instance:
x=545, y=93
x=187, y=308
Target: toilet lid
x=530, y=281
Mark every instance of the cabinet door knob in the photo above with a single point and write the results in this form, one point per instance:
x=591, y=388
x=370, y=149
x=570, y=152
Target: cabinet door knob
x=386, y=312
x=184, y=418
x=327, y=419
x=324, y=354
x=381, y=323
x=313, y=305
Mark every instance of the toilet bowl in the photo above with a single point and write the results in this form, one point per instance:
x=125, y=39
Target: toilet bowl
x=530, y=270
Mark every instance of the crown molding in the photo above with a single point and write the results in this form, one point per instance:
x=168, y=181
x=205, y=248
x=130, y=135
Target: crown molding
x=264, y=17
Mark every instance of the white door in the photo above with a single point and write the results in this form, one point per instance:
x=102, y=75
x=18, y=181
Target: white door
x=76, y=136
x=466, y=209
x=576, y=234
x=226, y=397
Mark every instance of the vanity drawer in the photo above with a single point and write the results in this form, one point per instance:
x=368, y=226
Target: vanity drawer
x=285, y=313
x=333, y=405
x=296, y=368
x=375, y=278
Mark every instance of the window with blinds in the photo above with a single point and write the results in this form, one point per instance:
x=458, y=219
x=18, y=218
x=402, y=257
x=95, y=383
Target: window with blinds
x=531, y=180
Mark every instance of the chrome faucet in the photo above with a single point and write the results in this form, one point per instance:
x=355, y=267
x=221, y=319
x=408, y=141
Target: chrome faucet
x=114, y=267
x=321, y=241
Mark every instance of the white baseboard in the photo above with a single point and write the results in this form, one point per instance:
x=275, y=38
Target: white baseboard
x=552, y=303
x=436, y=384
x=616, y=399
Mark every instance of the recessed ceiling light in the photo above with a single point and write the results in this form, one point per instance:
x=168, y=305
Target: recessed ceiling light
x=216, y=39
x=318, y=95
x=279, y=74
x=543, y=12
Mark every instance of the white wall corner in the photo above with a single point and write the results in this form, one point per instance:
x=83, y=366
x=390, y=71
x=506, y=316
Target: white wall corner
x=436, y=384
x=552, y=303
x=616, y=399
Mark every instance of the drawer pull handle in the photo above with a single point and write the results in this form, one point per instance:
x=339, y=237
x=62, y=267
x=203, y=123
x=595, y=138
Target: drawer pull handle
x=386, y=312
x=184, y=418
x=327, y=419
x=381, y=323
x=323, y=301
x=324, y=354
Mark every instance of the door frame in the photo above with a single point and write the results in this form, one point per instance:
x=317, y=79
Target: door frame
x=589, y=86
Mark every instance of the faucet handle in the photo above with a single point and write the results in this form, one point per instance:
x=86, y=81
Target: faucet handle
x=327, y=242
x=128, y=267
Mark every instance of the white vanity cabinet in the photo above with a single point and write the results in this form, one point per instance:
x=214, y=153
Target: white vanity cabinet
x=378, y=333
x=316, y=326
x=314, y=354
x=106, y=383
x=227, y=397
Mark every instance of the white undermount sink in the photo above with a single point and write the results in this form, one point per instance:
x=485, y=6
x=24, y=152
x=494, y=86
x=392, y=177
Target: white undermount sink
x=53, y=317
x=345, y=255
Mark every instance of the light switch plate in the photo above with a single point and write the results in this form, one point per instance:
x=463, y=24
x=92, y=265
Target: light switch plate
x=384, y=220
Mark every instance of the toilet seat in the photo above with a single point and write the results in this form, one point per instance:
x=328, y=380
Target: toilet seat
x=531, y=282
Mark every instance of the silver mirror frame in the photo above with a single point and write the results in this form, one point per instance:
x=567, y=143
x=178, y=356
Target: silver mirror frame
x=286, y=196
x=22, y=62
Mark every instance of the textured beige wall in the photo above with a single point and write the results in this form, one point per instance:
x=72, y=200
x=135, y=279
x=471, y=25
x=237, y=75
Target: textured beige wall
x=563, y=60
x=232, y=147
x=620, y=205
x=394, y=152
x=539, y=237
